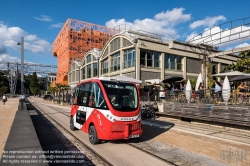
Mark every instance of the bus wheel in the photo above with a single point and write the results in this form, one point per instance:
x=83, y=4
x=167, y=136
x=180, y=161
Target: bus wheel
x=93, y=138
x=72, y=127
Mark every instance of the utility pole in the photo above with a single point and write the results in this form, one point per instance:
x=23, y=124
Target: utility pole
x=22, y=61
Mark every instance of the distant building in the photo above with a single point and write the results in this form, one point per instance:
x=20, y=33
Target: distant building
x=47, y=80
x=74, y=40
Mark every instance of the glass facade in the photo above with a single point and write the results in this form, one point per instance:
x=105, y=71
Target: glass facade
x=95, y=70
x=173, y=62
x=104, y=66
x=83, y=73
x=115, y=62
x=129, y=58
x=89, y=71
x=149, y=59
x=89, y=58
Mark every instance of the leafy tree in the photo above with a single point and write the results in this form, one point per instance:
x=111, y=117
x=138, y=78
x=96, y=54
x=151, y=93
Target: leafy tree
x=34, y=85
x=192, y=82
x=242, y=64
x=51, y=89
x=210, y=78
x=4, y=84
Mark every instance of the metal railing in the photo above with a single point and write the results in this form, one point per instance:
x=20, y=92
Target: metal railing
x=228, y=97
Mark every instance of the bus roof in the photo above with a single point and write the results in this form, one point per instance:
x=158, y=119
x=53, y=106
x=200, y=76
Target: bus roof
x=121, y=78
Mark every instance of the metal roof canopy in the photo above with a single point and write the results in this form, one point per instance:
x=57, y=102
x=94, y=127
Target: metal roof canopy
x=208, y=41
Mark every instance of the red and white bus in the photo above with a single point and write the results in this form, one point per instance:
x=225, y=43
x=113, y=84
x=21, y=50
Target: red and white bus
x=106, y=109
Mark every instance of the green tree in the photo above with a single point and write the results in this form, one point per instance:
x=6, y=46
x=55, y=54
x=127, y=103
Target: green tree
x=34, y=85
x=4, y=84
x=242, y=64
x=210, y=79
x=192, y=82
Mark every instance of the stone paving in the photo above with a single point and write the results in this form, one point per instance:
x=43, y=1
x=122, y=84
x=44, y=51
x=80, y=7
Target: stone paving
x=7, y=115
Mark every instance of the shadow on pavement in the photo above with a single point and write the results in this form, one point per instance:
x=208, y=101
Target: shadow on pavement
x=54, y=142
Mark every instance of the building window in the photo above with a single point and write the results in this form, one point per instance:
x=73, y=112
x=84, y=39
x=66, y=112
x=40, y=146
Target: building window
x=149, y=59
x=83, y=73
x=89, y=71
x=95, y=69
x=129, y=58
x=115, y=62
x=173, y=62
x=105, y=66
x=178, y=63
x=94, y=58
x=88, y=58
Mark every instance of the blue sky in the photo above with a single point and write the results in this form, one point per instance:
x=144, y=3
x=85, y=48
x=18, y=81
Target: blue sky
x=40, y=21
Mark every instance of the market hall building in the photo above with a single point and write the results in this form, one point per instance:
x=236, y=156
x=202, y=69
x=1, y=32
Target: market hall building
x=144, y=56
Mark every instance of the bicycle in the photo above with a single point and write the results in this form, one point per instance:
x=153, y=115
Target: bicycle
x=148, y=111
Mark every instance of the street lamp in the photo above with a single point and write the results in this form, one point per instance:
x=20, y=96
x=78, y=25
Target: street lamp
x=22, y=59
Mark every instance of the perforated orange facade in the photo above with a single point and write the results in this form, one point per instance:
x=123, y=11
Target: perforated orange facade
x=74, y=40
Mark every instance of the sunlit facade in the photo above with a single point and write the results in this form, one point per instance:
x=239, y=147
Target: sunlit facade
x=143, y=57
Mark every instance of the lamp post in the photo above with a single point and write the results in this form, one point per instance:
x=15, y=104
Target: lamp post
x=22, y=59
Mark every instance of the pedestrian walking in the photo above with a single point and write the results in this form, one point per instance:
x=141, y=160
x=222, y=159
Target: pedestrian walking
x=4, y=99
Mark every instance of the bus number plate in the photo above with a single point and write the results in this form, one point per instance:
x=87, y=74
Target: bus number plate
x=134, y=136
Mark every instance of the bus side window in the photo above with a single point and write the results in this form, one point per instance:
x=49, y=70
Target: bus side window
x=75, y=95
x=97, y=99
x=83, y=94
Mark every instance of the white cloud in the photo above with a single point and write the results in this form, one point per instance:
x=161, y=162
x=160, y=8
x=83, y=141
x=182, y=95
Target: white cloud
x=11, y=35
x=57, y=25
x=44, y=18
x=207, y=22
x=2, y=49
x=30, y=37
x=163, y=23
x=173, y=17
x=242, y=45
x=8, y=58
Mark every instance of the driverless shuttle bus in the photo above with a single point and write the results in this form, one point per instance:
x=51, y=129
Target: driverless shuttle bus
x=106, y=109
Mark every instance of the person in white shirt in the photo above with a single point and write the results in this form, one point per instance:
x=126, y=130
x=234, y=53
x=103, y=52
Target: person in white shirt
x=4, y=98
x=217, y=89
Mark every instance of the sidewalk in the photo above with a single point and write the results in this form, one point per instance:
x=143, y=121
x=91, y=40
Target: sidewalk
x=7, y=115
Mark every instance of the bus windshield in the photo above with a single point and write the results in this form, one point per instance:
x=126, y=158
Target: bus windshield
x=123, y=96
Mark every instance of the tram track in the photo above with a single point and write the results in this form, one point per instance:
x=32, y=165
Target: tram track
x=41, y=112
x=145, y=151
x=126, y=142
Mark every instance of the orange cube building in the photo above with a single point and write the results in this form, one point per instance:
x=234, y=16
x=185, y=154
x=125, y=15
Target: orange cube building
x=74, y=40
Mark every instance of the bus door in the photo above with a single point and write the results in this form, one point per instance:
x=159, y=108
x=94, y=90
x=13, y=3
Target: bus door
x=97, y=102
x=82, y=102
